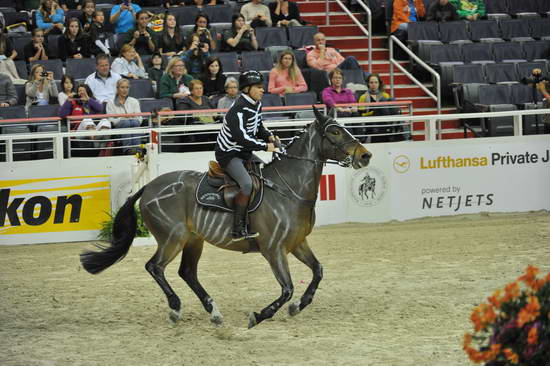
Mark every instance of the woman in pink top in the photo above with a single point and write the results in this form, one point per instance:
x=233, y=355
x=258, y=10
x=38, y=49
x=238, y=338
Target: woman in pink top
x=286, y=77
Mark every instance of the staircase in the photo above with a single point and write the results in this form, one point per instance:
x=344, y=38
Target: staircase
x=343, y=34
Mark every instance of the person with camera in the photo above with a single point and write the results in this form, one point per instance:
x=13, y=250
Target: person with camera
x=129, y=64
x=285, y=13
x=50, y=17
x=36, y=49
x=40, y=86
x=123, y=16
x=142, y=38
x=196, y=55
x=203, y=30
x=256, y=14
x=241, y=36
x=80, y=104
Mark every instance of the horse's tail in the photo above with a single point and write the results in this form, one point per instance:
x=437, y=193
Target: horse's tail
x=124, y=231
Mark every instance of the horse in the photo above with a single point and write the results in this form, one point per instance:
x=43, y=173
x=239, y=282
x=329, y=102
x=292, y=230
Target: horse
x=284, y=219
x=368, y=184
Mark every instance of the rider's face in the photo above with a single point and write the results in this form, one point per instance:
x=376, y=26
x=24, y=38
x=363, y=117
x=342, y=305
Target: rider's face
x=256, y=92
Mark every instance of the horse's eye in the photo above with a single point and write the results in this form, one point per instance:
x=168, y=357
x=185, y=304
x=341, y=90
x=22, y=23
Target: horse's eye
x=336, y=132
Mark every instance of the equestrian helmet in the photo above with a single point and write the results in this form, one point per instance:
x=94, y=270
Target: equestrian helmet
x=249, y=78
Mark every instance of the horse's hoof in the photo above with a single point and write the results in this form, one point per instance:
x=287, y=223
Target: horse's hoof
x=294, y=308
x=252, y=320
x=216, y=319
x=174, y=316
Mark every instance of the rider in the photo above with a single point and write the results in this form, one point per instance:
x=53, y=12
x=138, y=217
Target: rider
x=243, y=133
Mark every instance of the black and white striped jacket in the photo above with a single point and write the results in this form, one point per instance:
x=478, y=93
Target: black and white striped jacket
x=242, y=132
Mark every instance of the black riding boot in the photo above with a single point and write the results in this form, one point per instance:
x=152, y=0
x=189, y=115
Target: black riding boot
x=240, y=229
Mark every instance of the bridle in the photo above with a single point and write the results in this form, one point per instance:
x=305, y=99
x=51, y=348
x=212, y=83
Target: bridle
x=346, y=162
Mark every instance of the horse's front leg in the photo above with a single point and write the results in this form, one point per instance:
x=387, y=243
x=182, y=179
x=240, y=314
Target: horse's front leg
x=306, y=256
x=279, y=265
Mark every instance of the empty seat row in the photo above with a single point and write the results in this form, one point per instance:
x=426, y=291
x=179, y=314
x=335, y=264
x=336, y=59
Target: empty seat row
x=480, y=30
x=517, y=7
x=494, y=73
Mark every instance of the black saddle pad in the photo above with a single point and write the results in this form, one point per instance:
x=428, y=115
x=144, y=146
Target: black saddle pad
x=208, y=196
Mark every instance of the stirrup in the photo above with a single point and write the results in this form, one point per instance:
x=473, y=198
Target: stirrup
x=243, y=236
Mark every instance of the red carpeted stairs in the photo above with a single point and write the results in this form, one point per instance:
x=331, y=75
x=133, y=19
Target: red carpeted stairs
x=343, y=34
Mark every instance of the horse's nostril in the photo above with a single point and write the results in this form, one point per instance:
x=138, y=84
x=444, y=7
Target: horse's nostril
x=366, y=156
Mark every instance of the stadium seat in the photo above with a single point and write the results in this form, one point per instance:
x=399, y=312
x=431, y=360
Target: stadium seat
x=220, y=27
x=518, y=7
x=72, y=13
x=317, y=80
x=496, y=7
x=355, y=76
x=515, y=29
x=477, y=52
x=522, y=94
x=185, y=15
x=525, y=69
x=540, y=28
x=417, y=31
x=305, y=98
x=301, y=58
x=150, y=105
x=21, y=94
x=52, y=47
x=219, y=13
x=19, y=43
x=22, y=69
x=37, y=111
x=56, y=66
x=272, y=100
x=454, y=32
x=256, y=60
x=271, y=36
x=537, y=50
x=265, y=74
x=444, y=53
x=544, y=7
x=229, y=61
x=484, y=30
x=275, y=51
x=80, y=68
x=299, y=37
x=532, y=124
x=502, y=72
x=469, y=73
x=17, y=111
x=508, y=51
x=141, y=88
x=16, y=17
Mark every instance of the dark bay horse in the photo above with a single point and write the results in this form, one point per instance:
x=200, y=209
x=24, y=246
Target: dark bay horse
x=284, y=219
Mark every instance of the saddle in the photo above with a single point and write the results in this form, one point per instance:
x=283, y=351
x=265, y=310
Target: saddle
x=218, y=190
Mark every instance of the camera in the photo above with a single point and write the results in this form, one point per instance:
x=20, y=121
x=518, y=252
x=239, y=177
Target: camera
x=534, y=79
x=201, y=44
x=44, y=74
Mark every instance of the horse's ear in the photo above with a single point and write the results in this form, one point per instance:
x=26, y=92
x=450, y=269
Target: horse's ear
x=318, y=115
x=332, y=113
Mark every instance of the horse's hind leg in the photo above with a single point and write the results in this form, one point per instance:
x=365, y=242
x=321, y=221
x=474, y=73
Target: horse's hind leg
x=167, y=250
x=279, y=266
x=306, y=256
x=188, y=271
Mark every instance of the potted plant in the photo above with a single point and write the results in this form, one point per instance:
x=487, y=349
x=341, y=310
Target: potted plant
x=142, y=233
x=513, y=328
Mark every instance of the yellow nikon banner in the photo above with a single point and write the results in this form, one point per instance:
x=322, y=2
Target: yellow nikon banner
x=50, y=205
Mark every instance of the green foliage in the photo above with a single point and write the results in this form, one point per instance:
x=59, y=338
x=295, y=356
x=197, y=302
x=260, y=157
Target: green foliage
x=106, y=231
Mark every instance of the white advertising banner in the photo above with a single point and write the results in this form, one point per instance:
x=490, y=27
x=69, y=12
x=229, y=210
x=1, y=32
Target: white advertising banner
x=470, y=176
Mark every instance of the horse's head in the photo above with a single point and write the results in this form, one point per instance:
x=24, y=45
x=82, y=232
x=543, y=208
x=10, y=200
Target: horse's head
x=340, y=145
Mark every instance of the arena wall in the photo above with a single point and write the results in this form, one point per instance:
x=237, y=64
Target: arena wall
x=66, y=200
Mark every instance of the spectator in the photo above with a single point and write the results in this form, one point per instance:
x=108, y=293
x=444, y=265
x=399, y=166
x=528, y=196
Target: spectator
x=8, y=95
x=124, y=104
x=99, y=38
x=155, y=72
x=40, y=86
x=196, y=101
x=327, y=58
x=142, y=38
x=202, y=28
x=286, y=77
x=50, y=17
x=542, y=87
x=7, y=55
x=36, y=50
x=103, y=81
x=87, y=16
x=67, y=5
x=195, y=57
x=174, y=3
x=469, y=9
x=67, y=89
x=375, y=93
x=123, y=16
x=80, y=104
x=337, y=94
x=442, y=11
x=129, y=64
x=241, y=36
x=232, y=93
x=213, y=79
x=73, y=44
x=406, y=11
x=284, y=13
x=175, y=81
x=256, y=14
x=171, y=41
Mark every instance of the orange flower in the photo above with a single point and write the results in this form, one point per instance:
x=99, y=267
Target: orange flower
x=529, y=312
x=537, y=284
x=489, y=316
x=530, y=274
x=511, y=355
x=467, y=341
x=548, y=277
x=533, y=336
x=511, y=291
x=495, y=299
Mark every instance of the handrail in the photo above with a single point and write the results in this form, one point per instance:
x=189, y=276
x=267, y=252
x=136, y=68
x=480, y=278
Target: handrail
x=367, y=32
x=394, y=62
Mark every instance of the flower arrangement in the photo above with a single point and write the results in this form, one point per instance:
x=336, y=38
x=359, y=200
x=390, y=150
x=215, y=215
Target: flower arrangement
x=513, y=328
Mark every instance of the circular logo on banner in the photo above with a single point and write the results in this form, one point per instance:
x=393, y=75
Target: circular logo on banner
x=401, y=164
x=368, y=186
